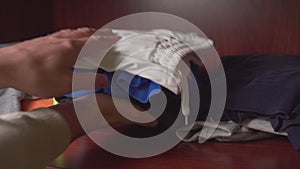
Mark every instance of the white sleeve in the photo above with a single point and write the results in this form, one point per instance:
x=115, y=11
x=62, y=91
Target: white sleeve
x=30, y=140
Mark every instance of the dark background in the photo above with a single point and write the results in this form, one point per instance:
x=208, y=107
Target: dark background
x=236, y=26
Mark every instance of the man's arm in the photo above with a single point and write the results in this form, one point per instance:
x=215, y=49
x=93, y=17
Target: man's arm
x=7, y=66
x=44, y=66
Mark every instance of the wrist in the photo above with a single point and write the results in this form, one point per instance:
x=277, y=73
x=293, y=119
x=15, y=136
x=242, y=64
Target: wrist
x=7, y=66
x=11, y=62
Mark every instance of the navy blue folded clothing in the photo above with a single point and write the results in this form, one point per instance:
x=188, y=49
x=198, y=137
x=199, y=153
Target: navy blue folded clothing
x=267, y=87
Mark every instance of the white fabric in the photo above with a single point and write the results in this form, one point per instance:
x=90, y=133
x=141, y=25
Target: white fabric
x=252, y=129
x=153, y=54
x=261, y=125
x=10, y=100
x=30, y=140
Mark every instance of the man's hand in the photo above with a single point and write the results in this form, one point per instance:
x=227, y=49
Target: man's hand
x=44, y=66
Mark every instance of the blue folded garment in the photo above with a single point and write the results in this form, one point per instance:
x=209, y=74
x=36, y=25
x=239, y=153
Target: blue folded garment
x=123, y=84
x=140, y=89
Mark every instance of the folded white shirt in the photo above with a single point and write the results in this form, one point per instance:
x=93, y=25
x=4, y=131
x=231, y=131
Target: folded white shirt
x=152, y=54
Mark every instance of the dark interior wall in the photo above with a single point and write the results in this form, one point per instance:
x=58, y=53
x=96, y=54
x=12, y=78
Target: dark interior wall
x=236, y=26
x=23, y=19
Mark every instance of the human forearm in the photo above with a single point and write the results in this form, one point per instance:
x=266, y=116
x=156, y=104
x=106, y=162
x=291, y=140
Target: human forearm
x=36, y=66
x=8, y=63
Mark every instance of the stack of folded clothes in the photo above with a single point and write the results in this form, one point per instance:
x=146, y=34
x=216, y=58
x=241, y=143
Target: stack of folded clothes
x=263, y=98
x=263, y=91
x=265, y=87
